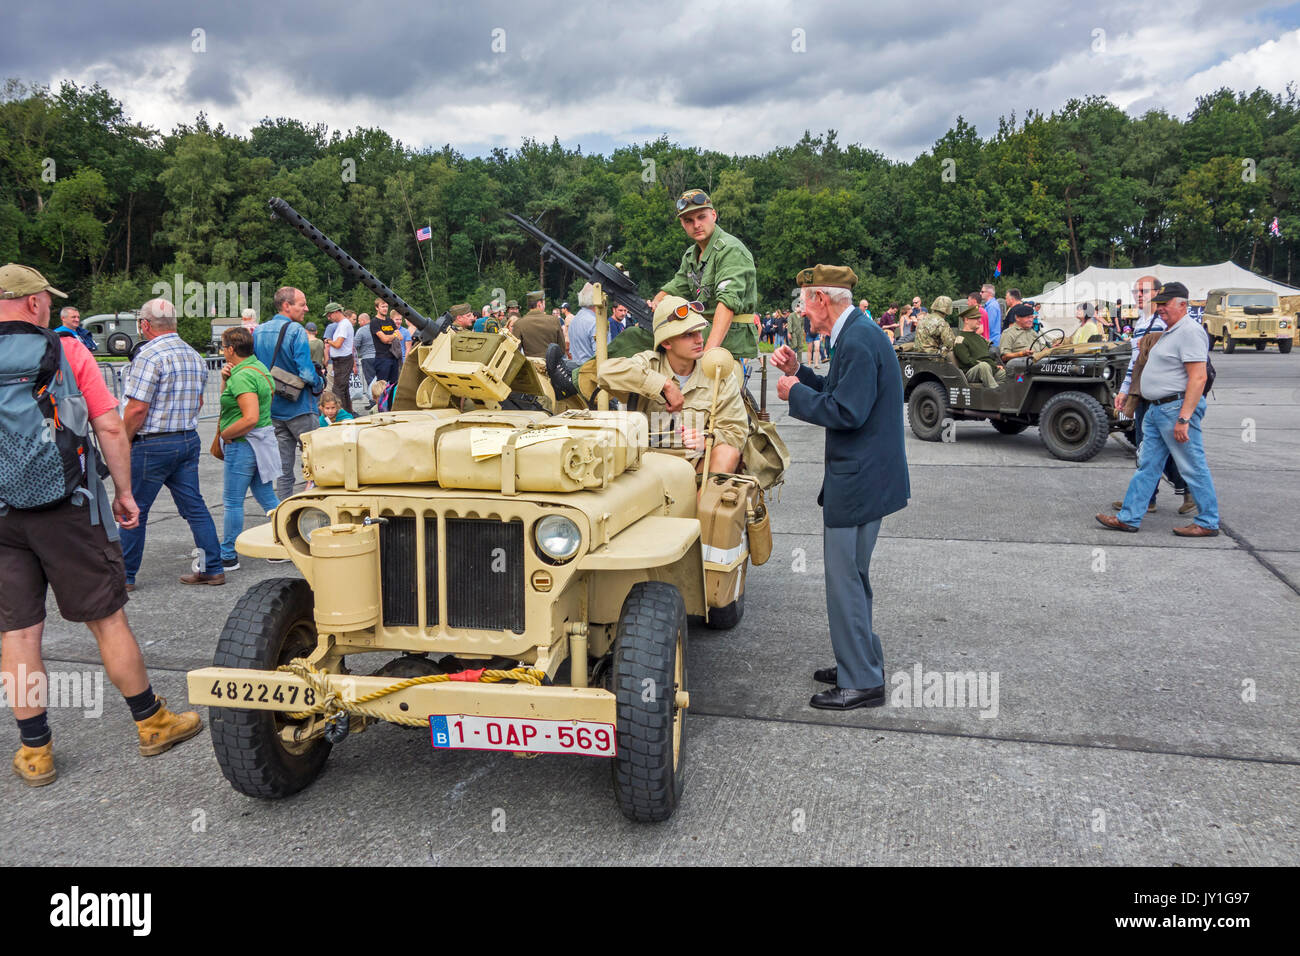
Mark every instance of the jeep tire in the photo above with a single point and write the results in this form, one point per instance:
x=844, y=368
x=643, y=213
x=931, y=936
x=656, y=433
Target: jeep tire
x=270, y=626
x=1073, y=426
x=927, y=409
x=1284, y=345
x=1229, y=344
x=649, y=668
x=119, y=343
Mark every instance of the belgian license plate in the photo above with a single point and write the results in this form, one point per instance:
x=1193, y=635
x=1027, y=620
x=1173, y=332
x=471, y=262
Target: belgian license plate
x=462, y=732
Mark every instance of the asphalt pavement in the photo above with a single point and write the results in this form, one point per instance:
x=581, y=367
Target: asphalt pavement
x=1137, y=697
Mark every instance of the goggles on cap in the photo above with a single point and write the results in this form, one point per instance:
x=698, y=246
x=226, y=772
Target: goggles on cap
x=692, y=199
x=681, y=312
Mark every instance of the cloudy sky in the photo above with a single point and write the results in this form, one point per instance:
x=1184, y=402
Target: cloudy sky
x=732, y=76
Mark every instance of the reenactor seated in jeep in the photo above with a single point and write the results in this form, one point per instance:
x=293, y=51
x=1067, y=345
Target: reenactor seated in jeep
x=1018, y=339
x=973, y=353
x=933, y=334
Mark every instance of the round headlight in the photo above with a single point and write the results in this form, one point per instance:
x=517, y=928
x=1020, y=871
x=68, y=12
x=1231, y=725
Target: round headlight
x=557, y=537
x=309, y=520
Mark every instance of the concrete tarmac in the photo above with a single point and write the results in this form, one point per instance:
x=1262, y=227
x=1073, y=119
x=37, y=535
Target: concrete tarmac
x=1146, y=708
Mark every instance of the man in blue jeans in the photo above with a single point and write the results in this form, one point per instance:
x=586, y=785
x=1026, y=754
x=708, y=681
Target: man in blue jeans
x=291, y=418
x=1173, y=386
x=164, y=392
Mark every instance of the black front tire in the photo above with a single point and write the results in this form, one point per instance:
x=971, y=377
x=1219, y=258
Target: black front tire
x=1073, y=426
x=649, y=668
x=1260, y=346
x=1008, y=428
x=271, y=625
x=119, y=343
x=1284, y=346
x=1229, y=344
x=927, y=409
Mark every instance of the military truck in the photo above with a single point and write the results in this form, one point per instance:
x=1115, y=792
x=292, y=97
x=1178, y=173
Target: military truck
x=486, y=565
x=1247, y=317
x=114, y=332
x=1066, y=391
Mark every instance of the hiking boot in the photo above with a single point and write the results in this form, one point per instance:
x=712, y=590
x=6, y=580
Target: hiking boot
x=164, y=730
x=35, y=764
x=1188, y=505
x=200, y=578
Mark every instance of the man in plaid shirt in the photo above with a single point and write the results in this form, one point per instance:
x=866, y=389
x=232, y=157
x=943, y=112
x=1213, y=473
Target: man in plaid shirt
x=164, y=392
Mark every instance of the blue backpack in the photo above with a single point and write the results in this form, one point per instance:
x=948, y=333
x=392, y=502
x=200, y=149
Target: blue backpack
x=47, y=452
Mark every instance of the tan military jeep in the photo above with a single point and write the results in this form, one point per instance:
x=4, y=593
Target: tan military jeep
x=505, y=579
x=1247, y=317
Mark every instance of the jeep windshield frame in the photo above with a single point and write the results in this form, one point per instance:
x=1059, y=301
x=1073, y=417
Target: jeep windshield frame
x=1240, y=300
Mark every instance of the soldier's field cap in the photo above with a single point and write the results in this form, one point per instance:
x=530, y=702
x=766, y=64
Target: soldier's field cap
x=675, y=316
x=692, y=200
x=970, y=312
x=459, y=309
x=839, y=277
x=942, y=304
x=17, y=281
x=332, y=307
x=1170, y=290
x=534, y=297
x=511, y=304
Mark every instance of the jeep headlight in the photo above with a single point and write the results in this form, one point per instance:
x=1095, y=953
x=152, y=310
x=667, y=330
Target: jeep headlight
x=557, y=537
x=1105, y=373
x=310, y=520
x=1241, y=325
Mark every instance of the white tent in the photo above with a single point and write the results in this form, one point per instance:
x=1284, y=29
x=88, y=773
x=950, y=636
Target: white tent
x=1096, y=284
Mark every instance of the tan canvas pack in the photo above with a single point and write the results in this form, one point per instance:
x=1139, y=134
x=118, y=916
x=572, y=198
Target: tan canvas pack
x=391, y=448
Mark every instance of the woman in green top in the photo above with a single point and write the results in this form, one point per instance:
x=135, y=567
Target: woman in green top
x=245, y=409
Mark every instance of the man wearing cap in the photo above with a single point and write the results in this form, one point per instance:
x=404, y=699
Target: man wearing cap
x=716, y=270
x=512, y=314
x=1172, y=383
x=62, y=547
x=1018, y=339
x=536, y=329
x=933, y=334
x=342, y=353
x=972, y=352
x=666, y=384
x=163, y=387
x=860, y=404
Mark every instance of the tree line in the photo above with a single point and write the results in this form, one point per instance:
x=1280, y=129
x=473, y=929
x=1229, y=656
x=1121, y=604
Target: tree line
x=107, y=207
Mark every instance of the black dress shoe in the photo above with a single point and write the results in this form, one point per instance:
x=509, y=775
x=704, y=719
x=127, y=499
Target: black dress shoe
x=827, y=675
x=557, y=370
x=846, y=698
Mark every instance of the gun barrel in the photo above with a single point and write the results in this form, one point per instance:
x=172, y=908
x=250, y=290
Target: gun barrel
x=350, y=266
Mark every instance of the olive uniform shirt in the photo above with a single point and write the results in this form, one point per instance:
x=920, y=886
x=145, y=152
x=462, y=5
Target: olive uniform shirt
x=536, y=330
x=723, y=274
x=971, y=348
x=1016, y=339
x=645, y=373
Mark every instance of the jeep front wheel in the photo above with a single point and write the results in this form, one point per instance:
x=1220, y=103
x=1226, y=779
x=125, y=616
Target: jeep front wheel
x=1073, y=426
x=1229, y=343
x=649, y=670
x=271, y=625
x=1284, y=346
x=927, y=409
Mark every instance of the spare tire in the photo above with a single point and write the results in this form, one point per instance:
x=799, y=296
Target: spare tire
x=1073, y=426
x=119, y=343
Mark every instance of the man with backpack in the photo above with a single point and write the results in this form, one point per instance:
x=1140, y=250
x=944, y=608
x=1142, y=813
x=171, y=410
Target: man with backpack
x=281, y=345
x=1172, y=379
x=57, y=526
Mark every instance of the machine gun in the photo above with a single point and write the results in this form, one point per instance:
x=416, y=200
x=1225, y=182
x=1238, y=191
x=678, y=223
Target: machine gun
x=429, y=328
x=620, y=289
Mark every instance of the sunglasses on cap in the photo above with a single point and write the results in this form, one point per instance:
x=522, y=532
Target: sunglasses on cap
x=682, y=311
x=692, y=199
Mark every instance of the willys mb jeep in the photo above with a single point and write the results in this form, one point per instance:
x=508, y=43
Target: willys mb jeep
x=1067, y=391
x=1247, y=317
x=505, y=579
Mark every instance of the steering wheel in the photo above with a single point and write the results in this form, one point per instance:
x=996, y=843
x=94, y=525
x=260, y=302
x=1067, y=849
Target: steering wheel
x=1045, y=337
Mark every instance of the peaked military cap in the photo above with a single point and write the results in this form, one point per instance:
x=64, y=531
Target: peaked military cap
x=460, y=308
x=839, y=277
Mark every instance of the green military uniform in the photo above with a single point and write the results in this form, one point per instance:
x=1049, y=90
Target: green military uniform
x=976, y=358
x=724, y=273
x=794, y=333
x=1016, y=339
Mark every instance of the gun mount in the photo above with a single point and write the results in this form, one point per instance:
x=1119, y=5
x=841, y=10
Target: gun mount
x=619, y=287
x=429, y=328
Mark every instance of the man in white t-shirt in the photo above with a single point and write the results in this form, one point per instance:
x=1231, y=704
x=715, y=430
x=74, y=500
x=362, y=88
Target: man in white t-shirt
x=342, y=352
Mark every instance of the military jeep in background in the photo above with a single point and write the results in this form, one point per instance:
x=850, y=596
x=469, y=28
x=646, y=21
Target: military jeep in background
x=1066, y=391
x=1247, y=317
x=115, y=333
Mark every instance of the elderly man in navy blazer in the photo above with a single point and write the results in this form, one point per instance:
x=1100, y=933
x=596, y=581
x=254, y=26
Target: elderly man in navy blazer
x=860, y=404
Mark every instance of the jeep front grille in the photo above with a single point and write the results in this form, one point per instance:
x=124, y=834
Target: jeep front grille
x=484, y=568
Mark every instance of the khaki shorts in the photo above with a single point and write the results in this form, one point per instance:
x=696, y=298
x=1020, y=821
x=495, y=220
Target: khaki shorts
x=59, y=548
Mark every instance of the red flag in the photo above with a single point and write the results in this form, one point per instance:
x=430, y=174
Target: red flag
x=997, y=270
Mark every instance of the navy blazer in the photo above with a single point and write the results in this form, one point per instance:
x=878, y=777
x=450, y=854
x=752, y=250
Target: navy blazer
x=860, y=404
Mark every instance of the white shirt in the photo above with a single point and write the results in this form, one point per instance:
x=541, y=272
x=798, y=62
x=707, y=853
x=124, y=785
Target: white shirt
x=839, y=325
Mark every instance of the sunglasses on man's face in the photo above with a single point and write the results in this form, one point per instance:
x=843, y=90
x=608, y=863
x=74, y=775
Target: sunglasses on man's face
x=692, y=199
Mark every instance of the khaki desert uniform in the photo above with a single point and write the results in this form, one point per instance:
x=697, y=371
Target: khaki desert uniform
x=724, y=273
x=1016, y=339
x=536, y=330
x=645, y=373
x=977, y=360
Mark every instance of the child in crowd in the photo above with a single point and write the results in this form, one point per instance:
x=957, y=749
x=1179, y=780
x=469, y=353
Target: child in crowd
x=330, y=412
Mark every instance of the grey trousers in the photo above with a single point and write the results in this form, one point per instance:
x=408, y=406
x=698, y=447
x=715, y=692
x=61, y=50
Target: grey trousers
x=858, y=655
x=288, y=436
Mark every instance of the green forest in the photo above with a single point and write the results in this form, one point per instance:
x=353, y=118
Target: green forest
x=106, y=207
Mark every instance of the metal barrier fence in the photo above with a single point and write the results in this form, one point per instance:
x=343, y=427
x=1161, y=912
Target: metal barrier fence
x=114, y=374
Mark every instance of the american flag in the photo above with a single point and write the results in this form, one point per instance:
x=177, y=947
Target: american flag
x=424, y=235
x=1275, y=229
